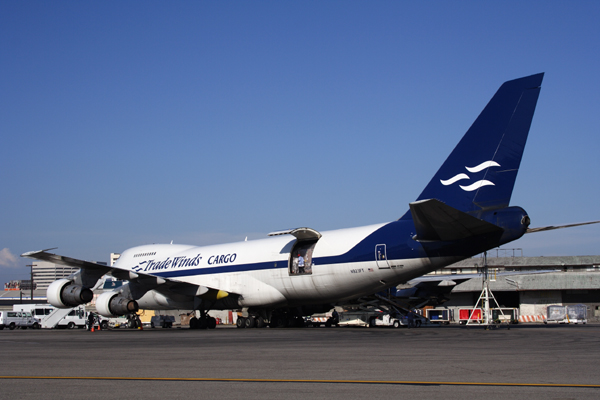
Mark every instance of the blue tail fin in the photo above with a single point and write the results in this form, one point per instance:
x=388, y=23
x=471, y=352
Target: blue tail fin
x=480, y=172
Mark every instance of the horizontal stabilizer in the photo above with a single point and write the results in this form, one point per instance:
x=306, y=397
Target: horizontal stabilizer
x=435, y=221
x=553, y=227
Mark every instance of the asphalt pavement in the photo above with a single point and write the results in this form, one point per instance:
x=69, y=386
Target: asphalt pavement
x=536, y=361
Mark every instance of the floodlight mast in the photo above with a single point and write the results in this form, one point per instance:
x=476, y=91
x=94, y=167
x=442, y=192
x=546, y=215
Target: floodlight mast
x=484, y=299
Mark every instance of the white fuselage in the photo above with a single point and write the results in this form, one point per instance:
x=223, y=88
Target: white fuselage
x=261, y=270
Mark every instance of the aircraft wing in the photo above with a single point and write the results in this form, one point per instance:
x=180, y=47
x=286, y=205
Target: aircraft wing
x=96, y=270
x=43, y=255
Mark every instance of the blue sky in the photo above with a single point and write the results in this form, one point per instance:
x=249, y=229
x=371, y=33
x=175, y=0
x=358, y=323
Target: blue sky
x=126, y=123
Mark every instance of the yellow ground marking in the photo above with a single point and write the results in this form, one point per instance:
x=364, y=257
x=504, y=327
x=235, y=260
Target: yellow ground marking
x=350, y=381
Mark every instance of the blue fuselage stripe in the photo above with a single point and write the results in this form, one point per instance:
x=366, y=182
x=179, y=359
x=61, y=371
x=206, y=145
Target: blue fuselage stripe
x=223, y=269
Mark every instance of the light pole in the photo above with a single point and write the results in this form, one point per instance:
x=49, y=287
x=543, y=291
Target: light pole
x=31, y=265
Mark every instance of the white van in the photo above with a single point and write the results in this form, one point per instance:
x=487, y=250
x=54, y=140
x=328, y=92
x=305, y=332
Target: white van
x=73, y=318
x=17, y=319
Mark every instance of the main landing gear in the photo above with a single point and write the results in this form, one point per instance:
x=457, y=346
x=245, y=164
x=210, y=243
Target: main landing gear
x=278, y=320
x=204, y=322
x=251, y=322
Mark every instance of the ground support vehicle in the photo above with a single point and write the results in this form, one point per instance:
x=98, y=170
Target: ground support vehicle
x=18, y=319
x=386, y=320
x=471, y=315
x=131, y=321
x=575, y=314
x=370, y=319
x=327, y=319
x=52, y=317
x=117, y=322
x=354, y=318
x=164, y=321
x=438, y=315
x=505, y=315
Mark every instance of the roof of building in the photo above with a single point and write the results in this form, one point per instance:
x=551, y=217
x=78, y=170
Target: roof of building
x=529, y=262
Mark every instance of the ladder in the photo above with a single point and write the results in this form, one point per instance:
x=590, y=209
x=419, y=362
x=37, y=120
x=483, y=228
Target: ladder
x=50, y=321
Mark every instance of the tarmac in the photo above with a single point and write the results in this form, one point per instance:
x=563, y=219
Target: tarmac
x=446, y=362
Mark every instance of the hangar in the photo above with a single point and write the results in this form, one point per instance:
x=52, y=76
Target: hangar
x=530, y=284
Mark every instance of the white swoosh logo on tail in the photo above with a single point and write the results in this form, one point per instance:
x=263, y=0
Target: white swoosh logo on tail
x=477, y=185
x=483, y=166
x=455, y=179
x=475, y=169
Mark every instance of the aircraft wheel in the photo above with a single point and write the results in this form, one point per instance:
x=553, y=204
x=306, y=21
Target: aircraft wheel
x=250, y=322
x=211, y=323
x=241, y=322
x=194, y=323
x=203, y=323
x=260, y=322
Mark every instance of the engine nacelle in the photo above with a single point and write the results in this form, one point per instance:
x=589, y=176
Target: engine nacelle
x=64, y=294
x=112, y=304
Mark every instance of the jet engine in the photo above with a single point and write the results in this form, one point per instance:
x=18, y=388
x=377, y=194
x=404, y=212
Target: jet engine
x=111, y=304
x=64, y=294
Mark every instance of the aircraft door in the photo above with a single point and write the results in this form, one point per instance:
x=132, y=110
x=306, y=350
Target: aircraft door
x=381, y=256
x=301, y=258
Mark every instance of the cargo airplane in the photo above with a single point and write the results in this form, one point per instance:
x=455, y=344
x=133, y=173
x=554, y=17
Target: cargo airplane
x=463, y=211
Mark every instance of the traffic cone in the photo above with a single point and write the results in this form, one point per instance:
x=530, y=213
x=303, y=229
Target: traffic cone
x=92, y=328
